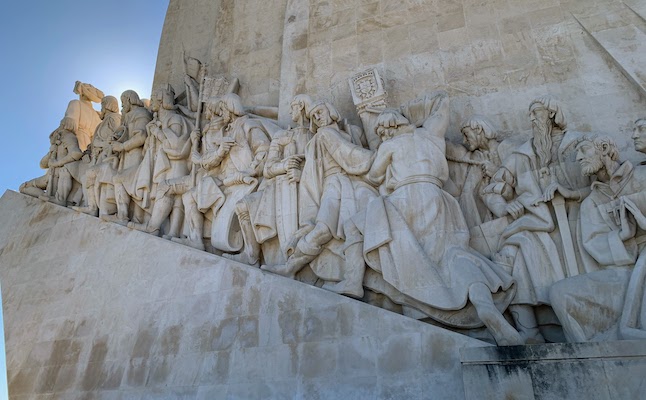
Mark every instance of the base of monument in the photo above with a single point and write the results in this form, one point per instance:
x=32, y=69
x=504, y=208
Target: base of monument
x=93, y=309
x=603, y=370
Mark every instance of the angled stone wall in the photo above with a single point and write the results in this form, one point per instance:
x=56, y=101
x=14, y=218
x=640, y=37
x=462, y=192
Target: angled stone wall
x=94, y=310
x=492, y=56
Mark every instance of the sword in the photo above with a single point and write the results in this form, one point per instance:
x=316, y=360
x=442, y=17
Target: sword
x=558, y=202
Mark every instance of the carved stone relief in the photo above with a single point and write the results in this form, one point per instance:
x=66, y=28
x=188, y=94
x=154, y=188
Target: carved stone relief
x=459, y=233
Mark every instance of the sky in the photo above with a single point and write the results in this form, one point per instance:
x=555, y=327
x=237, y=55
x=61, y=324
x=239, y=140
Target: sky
x=47, y=45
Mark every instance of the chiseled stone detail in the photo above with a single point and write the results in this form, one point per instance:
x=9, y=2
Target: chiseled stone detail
x=269, y=140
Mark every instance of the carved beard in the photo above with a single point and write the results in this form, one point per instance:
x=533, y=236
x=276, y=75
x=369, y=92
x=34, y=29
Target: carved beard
x=591, y=166
x=543, y=141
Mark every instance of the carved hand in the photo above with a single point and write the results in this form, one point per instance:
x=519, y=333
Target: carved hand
x=294, y=175
x=224, y=148
x=117, y=147
x=489, y=168
x=292, y=162
x=515, y=209
x=550, y=192
x=196, y=135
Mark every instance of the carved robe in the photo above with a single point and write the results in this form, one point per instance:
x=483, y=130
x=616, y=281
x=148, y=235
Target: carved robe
x=85, y=120
x=273, y=210
x=607, y=304
x=331, y=191
x=536, y=235
x=416, y=237
x=214, y=188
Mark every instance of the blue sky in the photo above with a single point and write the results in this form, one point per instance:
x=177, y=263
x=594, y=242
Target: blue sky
x=46, y=46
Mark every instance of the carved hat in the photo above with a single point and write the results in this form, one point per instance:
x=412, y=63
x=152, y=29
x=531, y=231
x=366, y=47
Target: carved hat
x=110, y=103
x=391, y=118
x=334, y=114
x=232, y=103
x=304, y=101
x=479, y=121
x=131, y=97
x=93, y=94
x=551, y=105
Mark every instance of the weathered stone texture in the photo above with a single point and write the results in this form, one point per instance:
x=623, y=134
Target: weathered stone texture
x=240, y=39
x=94, y=310
x=493, y=57
x=610, y=370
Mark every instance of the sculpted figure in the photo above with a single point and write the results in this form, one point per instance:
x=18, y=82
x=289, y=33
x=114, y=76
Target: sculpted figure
x=606, y=304
x=96, y=176
x=269, y=218
x=414, y=235
x=128, y=183
x=232, y=157
x=56, y=184
x=639, y=135
x=80, y=116
x=170, y=132
x=474, y=165
x=539, y=178
x=330, y=192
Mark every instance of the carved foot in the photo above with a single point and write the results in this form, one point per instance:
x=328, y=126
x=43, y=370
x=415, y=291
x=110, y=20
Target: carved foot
x=280, y=269
x=87, y=210
x=346, y=288
x=502, y=331
x=242, y=258
x=531, y=336
x=143, y=228
x=114, y=218
x=188, y=242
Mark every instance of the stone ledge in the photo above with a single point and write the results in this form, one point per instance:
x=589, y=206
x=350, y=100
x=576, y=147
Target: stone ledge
x=553, y=352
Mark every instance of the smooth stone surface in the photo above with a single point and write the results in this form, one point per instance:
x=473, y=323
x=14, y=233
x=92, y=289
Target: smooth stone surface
x=93, y=309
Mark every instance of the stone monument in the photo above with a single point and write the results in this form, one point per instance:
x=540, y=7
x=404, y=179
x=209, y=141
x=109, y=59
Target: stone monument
x=386, y=199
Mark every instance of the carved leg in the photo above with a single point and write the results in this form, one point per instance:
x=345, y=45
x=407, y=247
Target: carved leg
x=64, y=187
x=354, y=265
x=505, y=334
x=35, y=187
x=308, y=248
x=123, y=200
x=250, y=253
x=176, y=218
x=139, y=214
x=525, y=321
x=90, y=195
x=161, y=211
x=195, y=221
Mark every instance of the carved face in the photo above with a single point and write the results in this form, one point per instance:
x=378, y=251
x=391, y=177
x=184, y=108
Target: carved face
x=639, y=136
x=472, y=138
x=156, y=101
x=539, y=116
x=225, y=114
x=321, y=116
x=589, y=157
x=296, y=110
x=125, y=105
